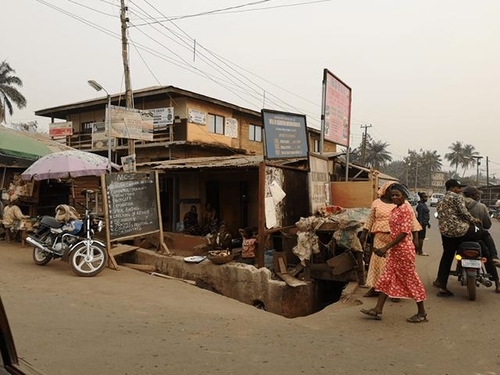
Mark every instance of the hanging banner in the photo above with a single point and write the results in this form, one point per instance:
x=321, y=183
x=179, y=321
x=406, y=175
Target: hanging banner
x=131, y=123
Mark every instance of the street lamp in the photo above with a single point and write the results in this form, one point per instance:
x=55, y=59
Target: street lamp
x=98, y=87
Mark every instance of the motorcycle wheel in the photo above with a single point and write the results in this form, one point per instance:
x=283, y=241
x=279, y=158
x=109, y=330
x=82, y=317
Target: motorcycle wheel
x=40, y=257
x=471, y=287
x=88, y=263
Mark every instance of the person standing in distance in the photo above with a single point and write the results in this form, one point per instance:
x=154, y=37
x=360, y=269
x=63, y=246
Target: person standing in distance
x=423, y=217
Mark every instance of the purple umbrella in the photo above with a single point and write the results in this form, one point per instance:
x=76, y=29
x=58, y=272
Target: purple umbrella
x=67, y=164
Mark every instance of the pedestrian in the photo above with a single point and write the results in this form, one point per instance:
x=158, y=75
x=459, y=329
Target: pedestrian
x=377, y=225
x=456, y=225
x=249, y=246
x=399, y=278
x=423, y=217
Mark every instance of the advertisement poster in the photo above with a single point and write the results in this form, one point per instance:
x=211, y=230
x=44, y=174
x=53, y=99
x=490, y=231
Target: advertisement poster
x=336, y=109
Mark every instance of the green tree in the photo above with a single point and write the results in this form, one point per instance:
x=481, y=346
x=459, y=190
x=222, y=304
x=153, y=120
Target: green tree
x=377, y=155
x=461, y=155
x=9, y=94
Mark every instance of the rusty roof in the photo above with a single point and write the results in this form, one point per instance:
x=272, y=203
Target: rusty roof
x=216, y=162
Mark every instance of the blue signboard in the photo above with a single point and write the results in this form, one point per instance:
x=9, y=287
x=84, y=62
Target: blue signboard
x=285, y=135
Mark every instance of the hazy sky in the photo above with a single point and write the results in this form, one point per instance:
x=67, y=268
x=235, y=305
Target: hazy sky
x=423, y=73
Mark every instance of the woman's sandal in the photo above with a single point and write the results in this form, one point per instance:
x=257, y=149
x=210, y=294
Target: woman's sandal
x=445, y=293
x=417, y=318
x=372, y=314
x=371, y=293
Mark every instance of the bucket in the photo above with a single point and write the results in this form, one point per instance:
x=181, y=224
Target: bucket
x=269, y=259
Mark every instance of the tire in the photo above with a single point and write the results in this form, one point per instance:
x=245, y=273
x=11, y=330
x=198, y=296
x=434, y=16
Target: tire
x=91, y=263
x=40, y=257
x=471, y=287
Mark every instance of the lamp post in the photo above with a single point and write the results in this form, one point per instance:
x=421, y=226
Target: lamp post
x=98, y=87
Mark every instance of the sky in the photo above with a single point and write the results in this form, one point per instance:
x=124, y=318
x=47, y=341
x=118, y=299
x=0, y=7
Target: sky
x=424, y=74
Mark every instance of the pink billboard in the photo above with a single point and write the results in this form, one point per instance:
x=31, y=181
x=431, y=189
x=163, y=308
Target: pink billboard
x=336, y=109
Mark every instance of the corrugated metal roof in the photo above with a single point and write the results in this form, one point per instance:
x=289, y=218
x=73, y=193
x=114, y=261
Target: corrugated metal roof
x=237, y=161
x=216, y=162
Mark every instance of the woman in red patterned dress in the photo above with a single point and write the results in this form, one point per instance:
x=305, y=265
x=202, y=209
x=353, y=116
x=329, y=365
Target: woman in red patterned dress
x=399, y=278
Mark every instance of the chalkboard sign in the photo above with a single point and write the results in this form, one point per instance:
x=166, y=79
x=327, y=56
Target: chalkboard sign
x=132, y=204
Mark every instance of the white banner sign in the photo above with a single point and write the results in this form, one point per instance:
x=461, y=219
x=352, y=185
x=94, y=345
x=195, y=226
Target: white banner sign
x=231, y=128
x=131, y=123
x=162, y=117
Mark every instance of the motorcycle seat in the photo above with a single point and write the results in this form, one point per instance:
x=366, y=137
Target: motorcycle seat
x=50, y=222
x=469, y=245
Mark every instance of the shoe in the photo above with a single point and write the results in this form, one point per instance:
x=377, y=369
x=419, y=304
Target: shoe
x=437, y=284
x=417, y=318
x=496, y=262
x=371, y=293
x=445, y=293
x=372, y=314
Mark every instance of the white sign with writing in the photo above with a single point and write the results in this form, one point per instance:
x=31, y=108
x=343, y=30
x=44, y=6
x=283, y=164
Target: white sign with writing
x=131, y=123
x=162, y=117
x=60, y=129
x=231, y=128
x=197, y=117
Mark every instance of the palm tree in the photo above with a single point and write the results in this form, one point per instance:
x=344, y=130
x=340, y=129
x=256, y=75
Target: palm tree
x=377, y=154
x=470, y=154
x=9, y=94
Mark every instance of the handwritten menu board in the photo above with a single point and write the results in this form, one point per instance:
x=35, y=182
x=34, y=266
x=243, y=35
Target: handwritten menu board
x=132, y=204
x=285, y=135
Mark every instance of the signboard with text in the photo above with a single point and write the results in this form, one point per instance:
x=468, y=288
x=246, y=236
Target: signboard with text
x=285, y=135
x=162, y=117
x=131, y=123
x=336, y=109
x=60, y=129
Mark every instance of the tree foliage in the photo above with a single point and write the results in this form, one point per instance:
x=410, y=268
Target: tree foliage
x=9, y=94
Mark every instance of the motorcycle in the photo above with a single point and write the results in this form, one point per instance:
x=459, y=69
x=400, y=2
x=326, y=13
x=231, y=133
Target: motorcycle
x=470, y=268
x=86, y=255
x=494, y=212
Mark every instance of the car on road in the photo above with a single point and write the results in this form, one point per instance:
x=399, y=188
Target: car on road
x=435, y=198
x=413, y=199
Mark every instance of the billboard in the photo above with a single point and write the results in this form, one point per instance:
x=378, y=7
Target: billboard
x=285, y=135
x=60, y=129
x=131, y=123
x=336, y=109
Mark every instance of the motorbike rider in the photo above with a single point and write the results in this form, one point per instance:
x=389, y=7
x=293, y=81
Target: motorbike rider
x=478, y=209
x=456, y=225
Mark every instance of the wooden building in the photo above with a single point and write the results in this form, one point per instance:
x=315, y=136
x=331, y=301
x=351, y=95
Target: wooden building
x=199, y=127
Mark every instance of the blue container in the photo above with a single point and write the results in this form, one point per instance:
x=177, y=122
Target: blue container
x=269, y=259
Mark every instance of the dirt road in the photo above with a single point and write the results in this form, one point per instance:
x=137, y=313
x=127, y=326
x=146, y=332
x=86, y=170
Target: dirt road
x=128, y=322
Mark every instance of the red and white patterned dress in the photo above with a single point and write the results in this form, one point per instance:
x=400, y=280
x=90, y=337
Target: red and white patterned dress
x=399, y=278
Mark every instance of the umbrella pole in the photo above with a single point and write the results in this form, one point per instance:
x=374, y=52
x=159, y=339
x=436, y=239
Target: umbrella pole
x=73, y=192
x=3, y=175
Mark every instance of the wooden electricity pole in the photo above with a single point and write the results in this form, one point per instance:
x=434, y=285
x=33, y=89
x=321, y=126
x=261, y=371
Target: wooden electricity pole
x=126, y=69
x=363, y=149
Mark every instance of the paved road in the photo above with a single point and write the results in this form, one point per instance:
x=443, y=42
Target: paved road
x=127, y=322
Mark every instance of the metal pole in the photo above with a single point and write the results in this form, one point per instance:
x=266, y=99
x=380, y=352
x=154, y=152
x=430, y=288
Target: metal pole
x=108, y=126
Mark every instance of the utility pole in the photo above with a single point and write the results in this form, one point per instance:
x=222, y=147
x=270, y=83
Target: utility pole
x=487, y=172
x=363, y=148
x=126, y=69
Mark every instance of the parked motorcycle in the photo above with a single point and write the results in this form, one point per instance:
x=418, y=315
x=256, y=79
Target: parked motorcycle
x=470, y=268
x=494, y=212
x=86, y=255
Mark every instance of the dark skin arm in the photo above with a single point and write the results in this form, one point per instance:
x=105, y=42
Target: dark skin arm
x=383, y=250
